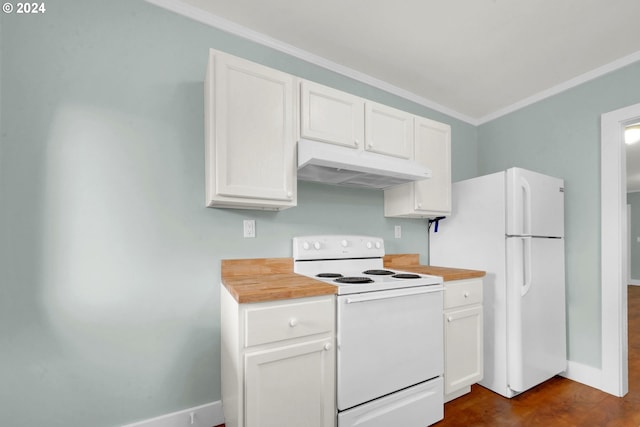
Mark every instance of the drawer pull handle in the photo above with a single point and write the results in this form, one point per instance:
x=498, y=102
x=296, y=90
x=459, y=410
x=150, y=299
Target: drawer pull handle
x=449, y=319
x=293, y=322
x=327, y=347
x=466, y=294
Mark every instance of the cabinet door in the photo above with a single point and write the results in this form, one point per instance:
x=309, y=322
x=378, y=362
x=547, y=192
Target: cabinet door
x=463, y=363
x=431, y=197
x=330, y=115
x=433, y=148
x=388, y=131
x=291, y=386
x=250, y=131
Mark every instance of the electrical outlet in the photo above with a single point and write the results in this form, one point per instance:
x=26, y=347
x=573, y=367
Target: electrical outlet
x=249, y=226
x=397, y=231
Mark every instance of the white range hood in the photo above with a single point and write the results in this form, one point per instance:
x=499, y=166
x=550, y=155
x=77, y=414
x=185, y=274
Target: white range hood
x=333, y=164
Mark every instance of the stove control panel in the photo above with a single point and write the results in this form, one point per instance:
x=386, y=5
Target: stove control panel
x=337, y=247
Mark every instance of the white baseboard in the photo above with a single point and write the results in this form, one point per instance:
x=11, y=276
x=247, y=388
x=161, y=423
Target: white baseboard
x=587, y=375
x=207, y=415
x=634, y=282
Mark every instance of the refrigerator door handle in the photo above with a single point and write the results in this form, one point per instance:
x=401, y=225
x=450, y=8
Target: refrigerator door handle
x=526, y=265
x=526, y=206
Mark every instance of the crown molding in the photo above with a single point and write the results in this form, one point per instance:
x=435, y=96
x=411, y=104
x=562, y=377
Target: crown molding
x=562, y=87
x=192, y=12
x=212, y=20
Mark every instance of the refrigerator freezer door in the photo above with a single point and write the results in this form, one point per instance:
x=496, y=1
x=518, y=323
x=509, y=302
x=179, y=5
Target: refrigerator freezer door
x=536, y=320
x=535, y=204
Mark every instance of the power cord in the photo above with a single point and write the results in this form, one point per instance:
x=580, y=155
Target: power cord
x=435, y=221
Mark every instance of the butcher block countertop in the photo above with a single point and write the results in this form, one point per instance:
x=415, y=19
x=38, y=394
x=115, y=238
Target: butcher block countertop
x=272, y=279
x=268, y=279
x=411, y=262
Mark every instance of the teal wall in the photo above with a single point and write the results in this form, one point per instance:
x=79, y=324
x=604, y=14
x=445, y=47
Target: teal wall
x=560, y=136
x=633, y=199
x=109, y=261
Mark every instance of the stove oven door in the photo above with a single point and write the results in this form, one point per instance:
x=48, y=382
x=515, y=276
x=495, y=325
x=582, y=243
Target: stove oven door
x=387, y=341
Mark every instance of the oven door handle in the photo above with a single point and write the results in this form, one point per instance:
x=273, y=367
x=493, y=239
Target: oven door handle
x=374, y=296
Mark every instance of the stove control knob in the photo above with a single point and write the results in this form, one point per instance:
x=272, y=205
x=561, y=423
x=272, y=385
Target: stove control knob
x=306, y=246
x=369, y=245
x=344, y=243
x=316, y=245
x=378, y=245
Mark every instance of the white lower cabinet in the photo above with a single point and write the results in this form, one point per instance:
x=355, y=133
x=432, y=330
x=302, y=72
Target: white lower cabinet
x=278, y=362
x=287, y=386
x=463, y=336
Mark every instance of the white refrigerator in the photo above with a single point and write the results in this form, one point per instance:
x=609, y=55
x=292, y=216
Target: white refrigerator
x=511, y=225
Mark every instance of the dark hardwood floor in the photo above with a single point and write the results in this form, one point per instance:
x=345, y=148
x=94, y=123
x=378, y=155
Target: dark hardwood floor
x=558, y=402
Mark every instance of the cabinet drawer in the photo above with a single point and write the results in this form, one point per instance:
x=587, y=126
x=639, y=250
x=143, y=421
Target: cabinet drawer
x=269, y=323
x=462, y=292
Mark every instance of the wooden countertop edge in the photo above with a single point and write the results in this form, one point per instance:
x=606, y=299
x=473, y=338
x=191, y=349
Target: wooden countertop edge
x=411, y=262
x=279, y=287
x=268, y=279
x=272, y=279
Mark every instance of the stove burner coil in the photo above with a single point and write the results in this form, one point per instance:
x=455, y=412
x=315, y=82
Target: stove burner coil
x=353, y=280
x=406, y=276
x=378, y=272
x=329, y=275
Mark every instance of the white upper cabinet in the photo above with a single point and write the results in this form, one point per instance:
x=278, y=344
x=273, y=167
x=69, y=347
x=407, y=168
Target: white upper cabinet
x=332, y=116
x=339, y=118
x=433, y=148
x=388, y=131
x=254, y=116
x=250, y=127
x=431, y=197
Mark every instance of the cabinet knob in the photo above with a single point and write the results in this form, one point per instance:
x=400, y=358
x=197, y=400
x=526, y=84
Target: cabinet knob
x=466, y=294
x=327, y=346
x=419, y=205
x=449, y=319
x=370, y=145
x=293, y=322
x=289, y=194
x=356, y=143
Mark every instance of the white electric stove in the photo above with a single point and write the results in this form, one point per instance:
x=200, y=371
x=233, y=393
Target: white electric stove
x=390, y=355
x=353, y=263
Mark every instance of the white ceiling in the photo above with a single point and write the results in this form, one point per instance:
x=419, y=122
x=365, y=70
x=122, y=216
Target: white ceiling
x=472, y=59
